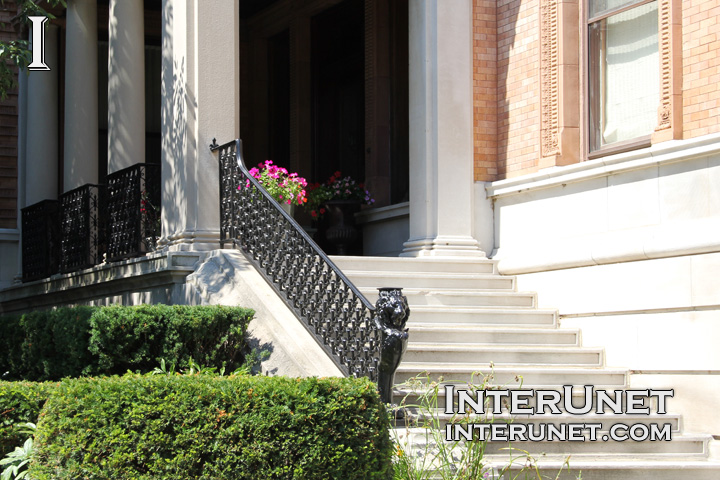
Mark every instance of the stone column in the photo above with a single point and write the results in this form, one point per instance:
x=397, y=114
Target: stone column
x=39, y=152
x=126, y=84
x=201, y=101
x=81, y=104
x=441, y=130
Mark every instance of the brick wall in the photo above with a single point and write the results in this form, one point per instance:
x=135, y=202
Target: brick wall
x=701, y=67
x=8, y=133
x=485, y=92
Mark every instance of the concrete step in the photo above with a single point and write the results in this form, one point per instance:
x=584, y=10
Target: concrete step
x=481, y=316
x=438, y=419
x=609, y=468
x=460, y=354
x=415, y=265
x=490, y=335
x=419, y=396
x=681, y=446
x=460, y=298
x=511, y=377
x=434, y=281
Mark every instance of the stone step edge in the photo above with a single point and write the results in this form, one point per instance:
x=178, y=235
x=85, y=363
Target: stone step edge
x=481, y=368
x=509, y=328
x=563, y=417
x=612, y=462
x=417, y=433
x=470, y=309
x=494, y=347
x=536, y=331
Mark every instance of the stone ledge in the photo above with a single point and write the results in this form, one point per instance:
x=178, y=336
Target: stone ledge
x=155, y=271
x=651, y=157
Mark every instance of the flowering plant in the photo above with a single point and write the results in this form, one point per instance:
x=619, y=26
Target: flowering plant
x=150, y=221
x=284, y=187
x=336, y=188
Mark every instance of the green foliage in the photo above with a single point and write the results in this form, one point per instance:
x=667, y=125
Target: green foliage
x=212, y=427
x=210, y=335
x=20, y=402
x=431, y=456
x=16, y=462
x=69, y=342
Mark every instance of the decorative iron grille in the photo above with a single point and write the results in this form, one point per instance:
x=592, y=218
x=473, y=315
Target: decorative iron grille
x=133, y=208
x=328, y=304
x=82, y=227
x=40, y=240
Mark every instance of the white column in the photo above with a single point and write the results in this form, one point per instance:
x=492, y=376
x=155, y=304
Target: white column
x=441, y=129
x=126, y=84
x=81, y=104
x=39, y=152
x=201, y=101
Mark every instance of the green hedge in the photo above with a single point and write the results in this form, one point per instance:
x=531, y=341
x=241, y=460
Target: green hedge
x=70, y=342
x=212, y=427
x=20, y=402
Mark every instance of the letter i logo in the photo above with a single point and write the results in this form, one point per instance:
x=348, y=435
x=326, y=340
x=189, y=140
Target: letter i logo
x=38, y=43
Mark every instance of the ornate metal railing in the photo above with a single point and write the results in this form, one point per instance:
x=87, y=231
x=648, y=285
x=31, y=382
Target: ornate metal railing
x=82, y=229
x=40, y=240
x=133, y=207
x=345, y=323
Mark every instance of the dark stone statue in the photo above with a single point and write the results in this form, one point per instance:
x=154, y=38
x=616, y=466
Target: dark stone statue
x=392, y=315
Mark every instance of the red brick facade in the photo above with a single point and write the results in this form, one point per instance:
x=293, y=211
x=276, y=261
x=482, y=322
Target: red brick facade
x=509, y=86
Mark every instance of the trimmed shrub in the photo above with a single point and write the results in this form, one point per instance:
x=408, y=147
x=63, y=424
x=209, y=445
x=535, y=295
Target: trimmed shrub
x=70, y=342
x=212, y=427
x=20, y=402
x=137, y=338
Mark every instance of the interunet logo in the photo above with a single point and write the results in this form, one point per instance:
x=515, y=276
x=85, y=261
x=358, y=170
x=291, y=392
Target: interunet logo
x=548, y=403
x=38, y=43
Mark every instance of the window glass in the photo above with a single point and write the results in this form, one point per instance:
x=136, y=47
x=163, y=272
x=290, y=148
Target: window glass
x=624, y=75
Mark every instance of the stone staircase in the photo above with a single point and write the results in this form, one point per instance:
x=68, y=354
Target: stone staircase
x=466, y=318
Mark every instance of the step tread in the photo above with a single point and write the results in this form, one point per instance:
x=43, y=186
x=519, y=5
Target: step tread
x=492, y=328
x=412, y=366
x=468, y=347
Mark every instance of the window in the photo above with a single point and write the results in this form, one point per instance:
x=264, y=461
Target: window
x=624, y=71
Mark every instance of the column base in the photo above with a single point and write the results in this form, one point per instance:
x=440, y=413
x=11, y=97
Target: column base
x=443, y=246
x=190, y=240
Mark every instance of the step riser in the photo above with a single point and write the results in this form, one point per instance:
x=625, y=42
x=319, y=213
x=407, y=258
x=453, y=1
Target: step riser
x=414, y=398
x=629, y=473
x=589, y=359
x=685, y=447
x=488, y=337
x=548, y=378
x=482, y=318
x=606, y=420
x=350, y=265
x=439, y=299
x=450, y=283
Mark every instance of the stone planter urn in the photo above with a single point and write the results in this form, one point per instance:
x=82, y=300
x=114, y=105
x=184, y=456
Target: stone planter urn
x=341, y=231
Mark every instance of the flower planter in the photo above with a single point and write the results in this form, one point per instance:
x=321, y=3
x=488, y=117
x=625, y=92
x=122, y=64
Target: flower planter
x=341, y=231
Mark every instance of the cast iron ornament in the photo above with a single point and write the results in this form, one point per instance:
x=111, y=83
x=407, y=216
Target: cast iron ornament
x=392, y=315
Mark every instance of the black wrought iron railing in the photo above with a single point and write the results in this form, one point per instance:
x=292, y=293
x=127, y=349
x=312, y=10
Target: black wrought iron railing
x=82, y=228
x=40, y=240
x=133, y=211
x=345, y=323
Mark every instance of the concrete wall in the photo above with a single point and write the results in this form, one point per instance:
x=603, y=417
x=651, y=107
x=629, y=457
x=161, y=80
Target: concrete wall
x=627, y=248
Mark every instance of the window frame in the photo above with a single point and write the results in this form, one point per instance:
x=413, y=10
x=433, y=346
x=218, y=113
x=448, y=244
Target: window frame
x=590, y=71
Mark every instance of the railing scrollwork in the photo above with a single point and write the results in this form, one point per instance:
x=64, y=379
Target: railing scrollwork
x=345, y=323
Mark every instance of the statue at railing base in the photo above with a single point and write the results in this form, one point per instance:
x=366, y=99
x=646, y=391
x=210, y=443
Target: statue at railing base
x=392, y=315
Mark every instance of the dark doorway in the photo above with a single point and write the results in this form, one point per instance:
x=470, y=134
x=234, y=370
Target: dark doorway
x=279, y=98
x=338, y=88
